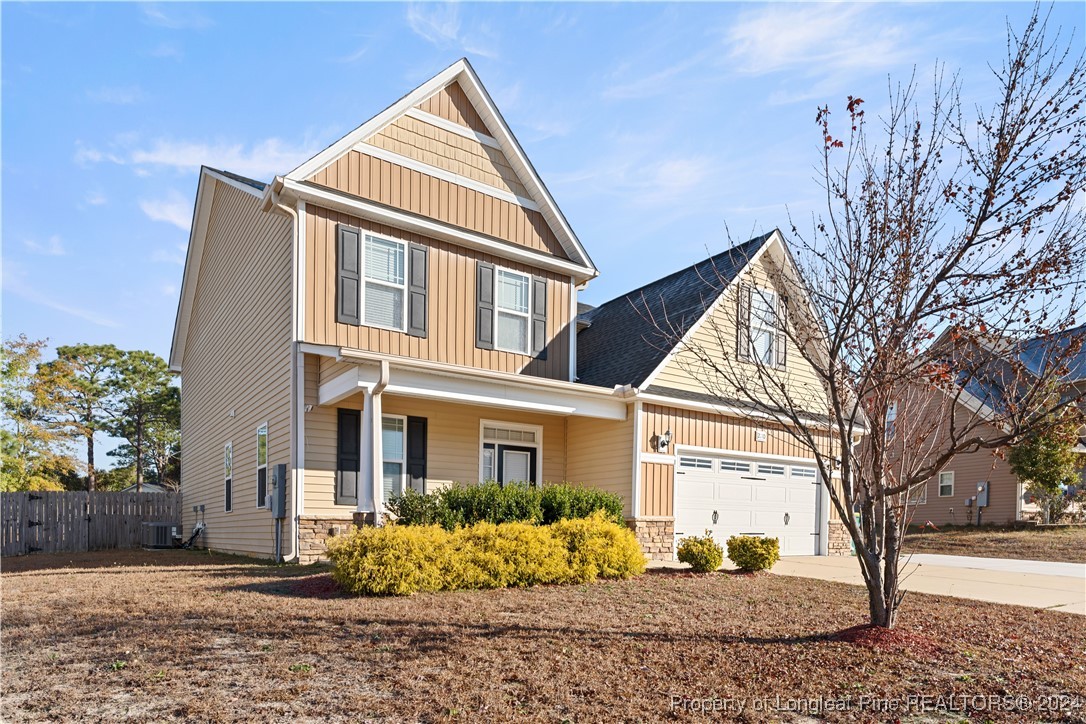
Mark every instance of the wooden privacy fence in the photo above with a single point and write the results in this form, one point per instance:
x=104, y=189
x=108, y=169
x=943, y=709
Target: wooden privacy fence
x=80, y=521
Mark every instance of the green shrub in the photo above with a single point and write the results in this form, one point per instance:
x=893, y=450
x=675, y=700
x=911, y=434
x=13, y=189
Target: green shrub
x=566, y=502
x=752, y=553
x=462, y=505
x=401, y=559
x=701, y=553
x=597, y=547
x=390, y=560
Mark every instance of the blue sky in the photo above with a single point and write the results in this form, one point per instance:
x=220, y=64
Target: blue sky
x=652, y=125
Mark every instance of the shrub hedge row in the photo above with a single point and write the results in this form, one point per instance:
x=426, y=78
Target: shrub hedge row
x=463, y=505
x=400, y=560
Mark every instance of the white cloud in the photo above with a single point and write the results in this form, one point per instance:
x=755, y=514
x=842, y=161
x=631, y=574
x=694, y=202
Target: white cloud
x=167, y=50
x=168, y=290
x=52, y=246
x=95, y=198
x=174, y=209
x=814, y=39
x=166, y=256
x=15, y=282
x=652, y=84
x=262, y=159
x=175, y=16
x=439, y=24
x=116, y=95
x=87, y=156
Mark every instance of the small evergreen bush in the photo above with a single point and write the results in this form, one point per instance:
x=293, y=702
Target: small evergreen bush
x=462, y=505
x=389, y=560
x=752, y=553
x=701, y=553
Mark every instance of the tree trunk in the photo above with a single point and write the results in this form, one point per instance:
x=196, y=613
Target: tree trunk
x=91, y=477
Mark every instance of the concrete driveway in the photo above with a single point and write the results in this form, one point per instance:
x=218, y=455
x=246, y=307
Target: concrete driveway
x=1038, y=584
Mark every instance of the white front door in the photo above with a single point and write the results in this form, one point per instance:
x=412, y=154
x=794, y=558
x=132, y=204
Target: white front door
x=736, y=496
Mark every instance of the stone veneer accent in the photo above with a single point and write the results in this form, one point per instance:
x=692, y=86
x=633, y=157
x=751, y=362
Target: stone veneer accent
x=314, y=532
x=839, y=543
x=656, y=536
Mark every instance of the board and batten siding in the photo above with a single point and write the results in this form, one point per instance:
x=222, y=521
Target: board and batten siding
x=685, y=372
x=599, y=454
x=236, y=372
x=375, y=179
x=450, y=299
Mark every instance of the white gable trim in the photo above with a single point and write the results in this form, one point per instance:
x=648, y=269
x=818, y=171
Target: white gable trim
x=453, y=178
x=251, y=190
x=205, y=193
x=462, y=72
x=434, y=229
x=675, y=350
x=452, y=127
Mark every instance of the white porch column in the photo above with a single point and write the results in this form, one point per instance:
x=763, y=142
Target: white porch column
x=366, y=484
x=376, y=472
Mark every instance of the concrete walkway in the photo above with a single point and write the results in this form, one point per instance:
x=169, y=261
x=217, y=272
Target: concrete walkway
x=1037, y=584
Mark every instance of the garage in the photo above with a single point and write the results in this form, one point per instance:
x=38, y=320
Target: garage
x=732, y=495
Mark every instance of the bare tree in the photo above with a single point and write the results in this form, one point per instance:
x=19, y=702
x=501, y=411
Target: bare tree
x=951, y=235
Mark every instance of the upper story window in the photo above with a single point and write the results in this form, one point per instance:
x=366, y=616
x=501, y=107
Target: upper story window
x=761, y=336
x=513, y=295
x=381, y=282
x=385, y=283
x=891, y=420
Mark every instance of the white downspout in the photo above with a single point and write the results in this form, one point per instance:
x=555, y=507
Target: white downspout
x=295, y=373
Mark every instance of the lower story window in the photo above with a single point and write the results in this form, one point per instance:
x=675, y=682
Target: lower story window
x=392, y=452
x=918, y=495
x=946, y=484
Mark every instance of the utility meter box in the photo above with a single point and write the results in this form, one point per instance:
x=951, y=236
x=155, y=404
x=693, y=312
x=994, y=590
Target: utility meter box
x=982, y=494
x=277, y=496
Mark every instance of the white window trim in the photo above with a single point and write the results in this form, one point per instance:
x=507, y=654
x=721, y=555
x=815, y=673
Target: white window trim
x=366, y=280
x=773, y=331
x=538, y=445
x=921, y=499
x=262, y=503
x=228, y=449
x=951, y=474
x=527, y=315
x=402, y=460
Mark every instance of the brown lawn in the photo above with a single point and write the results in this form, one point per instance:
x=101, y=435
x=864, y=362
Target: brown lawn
x=190, y=636
x=1034, y=544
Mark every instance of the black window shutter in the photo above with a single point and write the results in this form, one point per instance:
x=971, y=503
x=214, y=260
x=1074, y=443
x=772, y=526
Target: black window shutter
x=781, y=354
x=416, y=453
x=348, y=456
x=539, y=317
x=348, y=274
x=484, y=305
x=742, y=336
x=416, y=290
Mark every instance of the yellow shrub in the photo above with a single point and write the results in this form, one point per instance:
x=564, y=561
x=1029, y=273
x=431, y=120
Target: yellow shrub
x=752, y=553
x=701, y=553
x=390, y=560
x=597, y=547
x=510, y=554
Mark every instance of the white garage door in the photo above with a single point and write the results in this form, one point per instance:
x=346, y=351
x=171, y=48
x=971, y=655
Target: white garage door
x=734, y=496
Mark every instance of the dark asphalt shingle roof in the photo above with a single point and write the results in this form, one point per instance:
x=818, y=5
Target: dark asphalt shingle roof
x=258, y=185
x=623, y=345
x=1038, y=352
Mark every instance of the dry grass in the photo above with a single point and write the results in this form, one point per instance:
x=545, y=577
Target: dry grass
x=1030, y=544
x=188, y=636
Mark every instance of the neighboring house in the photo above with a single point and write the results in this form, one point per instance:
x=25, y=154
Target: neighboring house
x=147, y=488
x=401, y=311
x=949, y=497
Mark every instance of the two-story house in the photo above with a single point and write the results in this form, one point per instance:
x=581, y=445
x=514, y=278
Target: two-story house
x=401, y=311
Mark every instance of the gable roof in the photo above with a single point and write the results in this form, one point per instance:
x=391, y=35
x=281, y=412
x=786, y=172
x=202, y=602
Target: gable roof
x=463, y=74
x=621, y=344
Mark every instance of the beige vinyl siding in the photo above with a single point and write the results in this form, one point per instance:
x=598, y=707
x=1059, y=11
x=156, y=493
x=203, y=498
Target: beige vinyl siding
x=451, y=299
x=236, y=373
x=426, y=143
x=320, y=445
x=599, y=454
x=718, y=333
x=452, y=104
x=364, y=176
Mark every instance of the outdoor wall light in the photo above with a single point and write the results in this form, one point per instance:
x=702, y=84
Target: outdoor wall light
x=663, y=441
